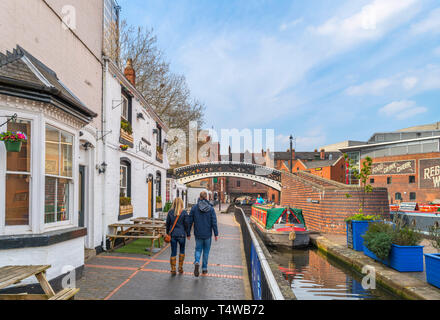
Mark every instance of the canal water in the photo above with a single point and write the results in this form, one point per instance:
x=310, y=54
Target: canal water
x=313, y=276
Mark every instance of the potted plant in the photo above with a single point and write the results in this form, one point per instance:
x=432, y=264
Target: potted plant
x=357, y=225
x=395, y=245
x=126, y=126
x=432, y=260
x=125, y=206
x=124, y=147
x=167, y=207
x=13, y=140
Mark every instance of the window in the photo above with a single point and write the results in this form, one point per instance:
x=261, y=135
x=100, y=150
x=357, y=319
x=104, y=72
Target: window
x=59, y=159
x=412, y=196
x=372, y=181
x=159, y=136
x=238, y=184
x=412, y=179
x=398, y=196
x=18, y=174
x=125, y=179
x=389, y=180
x=158, y=184
x=124, y=108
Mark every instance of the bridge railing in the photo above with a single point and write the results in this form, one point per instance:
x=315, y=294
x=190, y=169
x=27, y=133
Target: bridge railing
x=263, y=282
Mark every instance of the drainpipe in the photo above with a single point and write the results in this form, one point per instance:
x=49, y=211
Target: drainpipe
x=104, y=152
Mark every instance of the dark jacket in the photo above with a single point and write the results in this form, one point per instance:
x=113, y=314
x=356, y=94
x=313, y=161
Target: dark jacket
x=203, y=217
x=182, y=228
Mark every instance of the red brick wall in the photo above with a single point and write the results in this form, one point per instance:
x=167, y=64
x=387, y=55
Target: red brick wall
x=328, y=215
x=400, y=183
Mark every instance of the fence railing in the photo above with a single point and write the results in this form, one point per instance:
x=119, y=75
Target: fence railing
x=263, y=283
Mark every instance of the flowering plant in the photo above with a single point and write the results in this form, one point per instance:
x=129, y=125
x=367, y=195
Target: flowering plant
x=123, y=147
x=13, y=136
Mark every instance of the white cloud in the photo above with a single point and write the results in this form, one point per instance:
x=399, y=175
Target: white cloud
x=410, y=82
x=372, y=22
x=291, y=24
x=430, y=24
x=402, y=109
x=375, y=87
x=310, y=141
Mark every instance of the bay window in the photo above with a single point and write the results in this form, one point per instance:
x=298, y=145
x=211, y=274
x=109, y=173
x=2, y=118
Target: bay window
x=59, y=175
x=18, y=176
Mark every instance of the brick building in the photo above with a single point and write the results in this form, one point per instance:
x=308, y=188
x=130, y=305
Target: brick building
x=407, y=163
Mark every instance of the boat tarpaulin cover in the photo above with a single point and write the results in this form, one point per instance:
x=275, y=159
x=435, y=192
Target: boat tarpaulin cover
x=273, y=214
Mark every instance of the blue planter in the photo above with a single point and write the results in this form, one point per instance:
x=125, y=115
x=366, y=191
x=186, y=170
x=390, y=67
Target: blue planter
x=370, y=254
x=433, y=269
x=358, y=229
x=402, y=258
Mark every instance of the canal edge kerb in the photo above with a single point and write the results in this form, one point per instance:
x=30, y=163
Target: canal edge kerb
x=417, y=290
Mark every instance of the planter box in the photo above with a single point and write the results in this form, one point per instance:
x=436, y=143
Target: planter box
x=125, y=210
x=433, y=269
x=401, y=258
x=127, y=137
x=355, y=231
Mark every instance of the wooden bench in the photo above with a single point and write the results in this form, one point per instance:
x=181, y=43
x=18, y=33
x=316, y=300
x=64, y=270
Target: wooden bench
x=11, y=275
x=66, y=294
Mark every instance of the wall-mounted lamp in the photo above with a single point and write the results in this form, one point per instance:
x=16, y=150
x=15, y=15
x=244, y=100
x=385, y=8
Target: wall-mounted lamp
x=102, y=167
x=140, y=115
x=155, y=131
x=87, y=145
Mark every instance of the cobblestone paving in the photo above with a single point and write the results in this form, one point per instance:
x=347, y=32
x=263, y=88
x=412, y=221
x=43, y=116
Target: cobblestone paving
x=114, y=276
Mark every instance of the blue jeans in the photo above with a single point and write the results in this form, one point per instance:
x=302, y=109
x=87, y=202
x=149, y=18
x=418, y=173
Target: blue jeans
x=203, y=245
x=174, y=242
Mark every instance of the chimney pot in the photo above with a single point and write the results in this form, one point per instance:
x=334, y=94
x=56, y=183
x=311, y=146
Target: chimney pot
x=130, y=73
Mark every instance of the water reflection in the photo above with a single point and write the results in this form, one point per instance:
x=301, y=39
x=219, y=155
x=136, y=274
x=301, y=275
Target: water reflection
x=313, y=277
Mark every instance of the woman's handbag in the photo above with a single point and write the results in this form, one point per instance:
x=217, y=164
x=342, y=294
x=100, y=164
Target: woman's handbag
x=167, y=237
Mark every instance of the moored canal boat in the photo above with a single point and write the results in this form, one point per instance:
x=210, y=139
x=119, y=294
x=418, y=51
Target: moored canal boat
x=280, y=226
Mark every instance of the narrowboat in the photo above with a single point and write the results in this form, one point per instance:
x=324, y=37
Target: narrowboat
x=280, y=226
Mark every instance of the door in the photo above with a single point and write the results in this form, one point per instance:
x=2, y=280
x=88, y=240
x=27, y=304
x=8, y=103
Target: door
x=81, y=202
x=150, y=198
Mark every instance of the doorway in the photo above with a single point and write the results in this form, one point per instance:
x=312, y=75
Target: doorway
x=81, y=198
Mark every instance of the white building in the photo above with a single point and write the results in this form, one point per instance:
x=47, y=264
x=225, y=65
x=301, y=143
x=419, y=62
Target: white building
x=138, y=174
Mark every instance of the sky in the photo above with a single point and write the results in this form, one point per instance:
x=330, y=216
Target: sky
x=324, y=71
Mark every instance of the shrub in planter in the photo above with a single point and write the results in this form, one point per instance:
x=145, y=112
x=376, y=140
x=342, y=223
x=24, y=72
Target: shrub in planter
x=395, y=246
x=357, y=225
x=126, y=126
x=167, y=207
x=124, y=201
x=433, y=260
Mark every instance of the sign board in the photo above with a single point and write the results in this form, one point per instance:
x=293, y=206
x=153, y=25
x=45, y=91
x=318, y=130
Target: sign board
x=429, y=174
x=256, y=274
x=145, y=148
x=396, y=167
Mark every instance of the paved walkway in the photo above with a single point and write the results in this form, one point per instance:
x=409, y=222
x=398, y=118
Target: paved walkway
x=137, y=277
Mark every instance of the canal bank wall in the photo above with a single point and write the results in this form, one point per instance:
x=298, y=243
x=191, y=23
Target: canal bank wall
x=267, y=281
x=401, y=284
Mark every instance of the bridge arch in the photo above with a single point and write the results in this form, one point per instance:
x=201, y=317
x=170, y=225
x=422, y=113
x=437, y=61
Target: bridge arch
x=261, y=174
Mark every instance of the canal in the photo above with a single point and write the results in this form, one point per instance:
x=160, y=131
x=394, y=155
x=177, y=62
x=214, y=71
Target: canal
x=313, y=276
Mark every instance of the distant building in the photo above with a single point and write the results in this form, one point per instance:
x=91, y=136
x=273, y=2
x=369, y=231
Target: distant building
x=405, y=162
x=337, y=146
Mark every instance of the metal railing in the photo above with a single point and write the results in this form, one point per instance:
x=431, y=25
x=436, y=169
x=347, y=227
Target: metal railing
x=263, y=283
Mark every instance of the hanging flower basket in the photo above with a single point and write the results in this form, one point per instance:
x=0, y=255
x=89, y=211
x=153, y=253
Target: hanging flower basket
x=13, y=140
x=124, y=147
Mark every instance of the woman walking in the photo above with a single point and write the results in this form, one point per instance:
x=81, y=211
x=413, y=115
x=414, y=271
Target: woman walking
x=178, y=227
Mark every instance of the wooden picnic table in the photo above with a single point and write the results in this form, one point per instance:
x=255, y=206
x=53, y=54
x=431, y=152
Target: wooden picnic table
x=142, y=231
x=11, y=275
x=147, y=221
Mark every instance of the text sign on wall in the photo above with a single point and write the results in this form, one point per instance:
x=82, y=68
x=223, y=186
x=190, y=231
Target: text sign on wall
x=396, y=167
x=429, y=175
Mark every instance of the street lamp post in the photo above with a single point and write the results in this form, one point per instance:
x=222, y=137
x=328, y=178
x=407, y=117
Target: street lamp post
x=291, y=153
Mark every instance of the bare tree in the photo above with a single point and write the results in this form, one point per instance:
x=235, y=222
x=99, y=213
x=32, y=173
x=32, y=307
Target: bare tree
x=168, y=93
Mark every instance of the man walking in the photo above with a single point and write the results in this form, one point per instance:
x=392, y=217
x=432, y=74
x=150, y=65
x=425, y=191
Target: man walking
x=203, y=217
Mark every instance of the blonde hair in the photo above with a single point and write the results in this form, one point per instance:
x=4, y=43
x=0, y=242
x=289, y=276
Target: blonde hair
x=177, y=206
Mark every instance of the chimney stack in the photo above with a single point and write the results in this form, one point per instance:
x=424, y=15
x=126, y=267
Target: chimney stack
x=129, y=72
x=322, y=154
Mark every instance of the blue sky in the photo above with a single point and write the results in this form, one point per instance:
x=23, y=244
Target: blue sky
x=324, y=70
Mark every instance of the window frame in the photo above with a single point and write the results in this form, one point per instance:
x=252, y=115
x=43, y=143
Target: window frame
x=415, y=196
x=73, y=216
x=31, y=227
x=412, y=182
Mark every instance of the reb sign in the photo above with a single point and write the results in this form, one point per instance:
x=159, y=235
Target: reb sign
x=429, y=173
